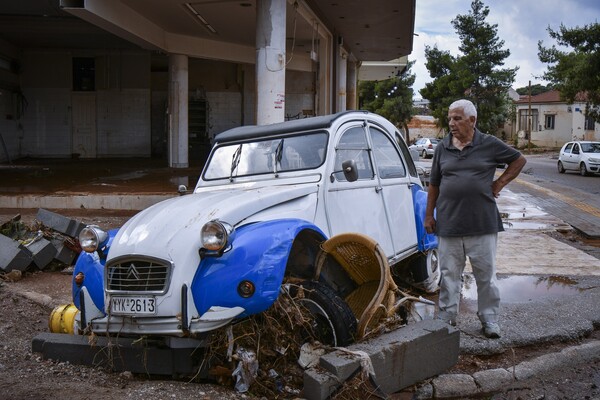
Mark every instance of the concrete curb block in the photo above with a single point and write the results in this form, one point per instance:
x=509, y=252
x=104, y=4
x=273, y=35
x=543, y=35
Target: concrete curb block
x=493, y=380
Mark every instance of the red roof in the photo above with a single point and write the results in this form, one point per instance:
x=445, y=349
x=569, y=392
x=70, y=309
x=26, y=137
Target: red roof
x=552, y=96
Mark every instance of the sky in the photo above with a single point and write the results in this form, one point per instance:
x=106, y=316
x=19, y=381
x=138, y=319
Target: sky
x=520, y=23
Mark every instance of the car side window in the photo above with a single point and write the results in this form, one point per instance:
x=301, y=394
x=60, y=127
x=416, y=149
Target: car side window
x=353, y=146
x=568, y=148
x=388, y=161
x=576, y=149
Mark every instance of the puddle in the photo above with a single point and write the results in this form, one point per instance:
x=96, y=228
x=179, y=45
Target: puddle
x=524, y=225
x=524, y=288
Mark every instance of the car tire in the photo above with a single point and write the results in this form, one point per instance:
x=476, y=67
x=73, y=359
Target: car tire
x=561, y=168
x=333, y=321
x=424, y=154
x=583, y=170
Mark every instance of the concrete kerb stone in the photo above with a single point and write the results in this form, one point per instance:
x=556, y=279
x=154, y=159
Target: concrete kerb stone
x=493, y=380
x=13, y=255
x=399, y=358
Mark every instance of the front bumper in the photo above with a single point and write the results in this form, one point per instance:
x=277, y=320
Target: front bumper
x=212, y=319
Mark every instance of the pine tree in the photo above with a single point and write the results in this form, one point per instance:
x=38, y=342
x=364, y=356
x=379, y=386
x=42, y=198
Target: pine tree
x=578, y=72
x=390, y=98
x=474, y=74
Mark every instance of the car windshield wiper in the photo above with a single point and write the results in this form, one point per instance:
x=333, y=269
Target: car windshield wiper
x=278, y=155
x=235, y=160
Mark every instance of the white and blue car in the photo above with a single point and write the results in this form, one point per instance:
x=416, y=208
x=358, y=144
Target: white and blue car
x=267, y=198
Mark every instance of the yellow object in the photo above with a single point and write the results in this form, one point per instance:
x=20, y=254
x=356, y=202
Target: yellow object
x=62, y=319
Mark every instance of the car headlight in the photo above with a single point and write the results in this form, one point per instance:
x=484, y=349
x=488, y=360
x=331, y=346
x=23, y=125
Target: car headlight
x=215, y=235
x=91, y=238
x=594, y=160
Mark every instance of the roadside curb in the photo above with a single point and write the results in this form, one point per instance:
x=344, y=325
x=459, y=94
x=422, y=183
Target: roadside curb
x=493, y=380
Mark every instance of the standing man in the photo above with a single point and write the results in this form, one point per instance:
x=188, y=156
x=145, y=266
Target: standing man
x=463, y=192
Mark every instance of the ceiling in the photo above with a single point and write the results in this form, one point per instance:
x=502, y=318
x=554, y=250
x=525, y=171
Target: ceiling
x=369, y=31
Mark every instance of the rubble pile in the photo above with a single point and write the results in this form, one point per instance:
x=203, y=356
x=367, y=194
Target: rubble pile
x=267, y=354
x=50, y=243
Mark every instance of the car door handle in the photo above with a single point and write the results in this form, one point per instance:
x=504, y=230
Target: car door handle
x=378, y=189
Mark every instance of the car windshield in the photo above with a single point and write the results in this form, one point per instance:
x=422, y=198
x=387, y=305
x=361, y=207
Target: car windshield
x=273, y=155
x=590, y=147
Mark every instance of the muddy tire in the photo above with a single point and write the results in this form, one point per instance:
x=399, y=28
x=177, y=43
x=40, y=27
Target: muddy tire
x=561, y=168
x=333, y=322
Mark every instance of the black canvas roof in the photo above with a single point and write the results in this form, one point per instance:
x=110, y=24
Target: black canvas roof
x=296, y=125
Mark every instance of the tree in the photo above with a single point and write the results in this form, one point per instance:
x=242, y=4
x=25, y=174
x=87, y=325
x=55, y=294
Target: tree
x=535, y=89
x=474, y=74
x=575, y=74
x=390, y=98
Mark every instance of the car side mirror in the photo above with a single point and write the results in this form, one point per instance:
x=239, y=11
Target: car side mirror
x=182, y=189
x=349, y=169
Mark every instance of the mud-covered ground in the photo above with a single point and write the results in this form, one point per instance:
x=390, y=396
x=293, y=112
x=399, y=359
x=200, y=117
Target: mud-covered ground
x=25, y=306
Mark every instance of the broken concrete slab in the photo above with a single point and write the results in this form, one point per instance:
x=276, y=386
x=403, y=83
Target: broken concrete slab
x=64, y=254
x=60, y=223
x=43, y=252
x=399, y=358
x=454, y=386
x=13, y=255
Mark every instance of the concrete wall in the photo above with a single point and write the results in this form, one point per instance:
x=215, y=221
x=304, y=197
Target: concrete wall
x=130, y=102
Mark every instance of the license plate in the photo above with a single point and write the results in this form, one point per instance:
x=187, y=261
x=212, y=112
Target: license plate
x=133, y=305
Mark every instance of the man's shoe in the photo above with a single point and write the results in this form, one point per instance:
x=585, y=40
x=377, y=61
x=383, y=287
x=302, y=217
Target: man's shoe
x=491, y=330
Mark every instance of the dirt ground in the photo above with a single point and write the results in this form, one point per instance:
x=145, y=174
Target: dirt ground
x=25, y=375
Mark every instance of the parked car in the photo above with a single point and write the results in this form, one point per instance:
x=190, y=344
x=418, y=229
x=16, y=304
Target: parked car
x=425, y=146
x=582, y=156
x=266, y=200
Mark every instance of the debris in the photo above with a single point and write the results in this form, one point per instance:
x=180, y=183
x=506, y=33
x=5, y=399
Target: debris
x=310, y=354
x=246, y=371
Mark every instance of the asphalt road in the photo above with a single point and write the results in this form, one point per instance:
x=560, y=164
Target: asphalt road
x=543, y=168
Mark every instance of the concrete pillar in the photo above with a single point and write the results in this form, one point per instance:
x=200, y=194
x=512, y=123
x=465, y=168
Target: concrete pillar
x=178, y=111
x=270, y=61
x=341, y=80
x=351, y=86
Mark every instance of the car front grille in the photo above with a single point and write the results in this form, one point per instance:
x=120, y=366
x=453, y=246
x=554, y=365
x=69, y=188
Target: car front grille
x=138, y=275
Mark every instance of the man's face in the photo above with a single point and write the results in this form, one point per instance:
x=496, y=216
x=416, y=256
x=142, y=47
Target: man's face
x=461, y=126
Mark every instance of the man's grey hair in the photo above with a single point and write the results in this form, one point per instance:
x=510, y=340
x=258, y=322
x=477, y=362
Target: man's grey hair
x=467, y=107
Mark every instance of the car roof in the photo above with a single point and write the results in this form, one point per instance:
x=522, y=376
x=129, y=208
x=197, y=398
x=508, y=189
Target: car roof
x=303, y=124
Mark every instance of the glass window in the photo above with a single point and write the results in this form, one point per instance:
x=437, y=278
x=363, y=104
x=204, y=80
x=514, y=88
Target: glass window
x=353, y=146
x=568, y=148
x=549, y=121
x=589, y=124
x=575, y=148
x=388, y=161
x=593, y=147
x=267, y=156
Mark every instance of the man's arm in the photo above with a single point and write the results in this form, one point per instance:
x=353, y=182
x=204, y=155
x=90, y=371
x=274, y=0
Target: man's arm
x=511, y=172
x=432, y=195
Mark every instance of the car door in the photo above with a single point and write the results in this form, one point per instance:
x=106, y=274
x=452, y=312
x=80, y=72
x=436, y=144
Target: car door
x=356, y=206
x=565, y=156
x=573, y=157
x=395, y=188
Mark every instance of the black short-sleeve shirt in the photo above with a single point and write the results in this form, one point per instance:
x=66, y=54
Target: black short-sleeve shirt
x=466, y=205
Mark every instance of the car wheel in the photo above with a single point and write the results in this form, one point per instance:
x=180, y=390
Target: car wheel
x=333, y=322
x=583, y=170
x=424, y=154
x=561, y=168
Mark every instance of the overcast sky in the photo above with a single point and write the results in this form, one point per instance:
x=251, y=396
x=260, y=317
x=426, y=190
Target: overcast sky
x=521, y=24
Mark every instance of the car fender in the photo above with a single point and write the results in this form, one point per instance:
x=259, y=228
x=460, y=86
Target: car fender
x=258, y=254
x=426, y=241
x=92, y=267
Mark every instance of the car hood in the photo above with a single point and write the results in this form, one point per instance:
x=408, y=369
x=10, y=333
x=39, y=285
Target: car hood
x=174, y=225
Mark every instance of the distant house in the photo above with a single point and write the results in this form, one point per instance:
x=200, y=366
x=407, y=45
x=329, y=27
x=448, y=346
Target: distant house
x=552, y=122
